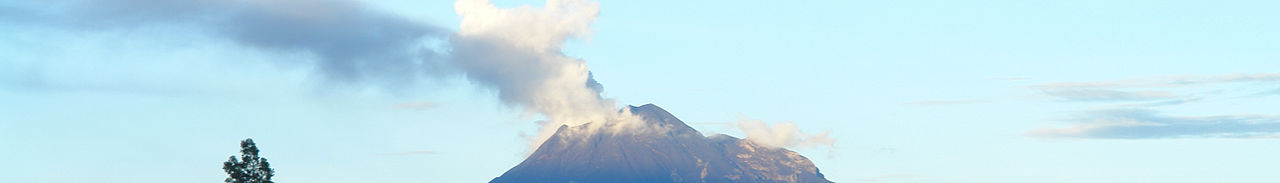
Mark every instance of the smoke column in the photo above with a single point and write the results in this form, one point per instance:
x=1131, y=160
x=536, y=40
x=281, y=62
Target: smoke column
x=516, y=52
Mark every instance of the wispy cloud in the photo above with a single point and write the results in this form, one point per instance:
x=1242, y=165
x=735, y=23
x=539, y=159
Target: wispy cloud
x=898, y=178
x=412, y=153
x=1169, y=102
x=944, y=102
x=1148, y=124
x=1144, y=89
x=1010, y=78
x=1268, y=93
x=422, y=105
x=1108, y=95
x=1131, y=118
x=1165, y=81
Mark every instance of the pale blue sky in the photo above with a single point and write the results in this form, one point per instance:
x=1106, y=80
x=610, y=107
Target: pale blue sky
x=914, y=91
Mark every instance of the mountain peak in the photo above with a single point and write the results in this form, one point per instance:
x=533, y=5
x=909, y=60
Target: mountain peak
x=657, y=117
x=651, y=111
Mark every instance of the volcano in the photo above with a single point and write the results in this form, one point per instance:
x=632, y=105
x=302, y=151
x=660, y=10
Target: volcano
x=674, y=152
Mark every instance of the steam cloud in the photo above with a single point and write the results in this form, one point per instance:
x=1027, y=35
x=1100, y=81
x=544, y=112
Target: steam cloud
x=784, y=134
x=516, y=52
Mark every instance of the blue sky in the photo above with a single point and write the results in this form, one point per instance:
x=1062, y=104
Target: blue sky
x=914, y=91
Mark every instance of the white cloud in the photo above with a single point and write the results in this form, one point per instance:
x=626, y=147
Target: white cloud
x=784, y=134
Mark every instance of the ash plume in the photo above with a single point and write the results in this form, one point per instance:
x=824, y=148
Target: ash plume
x=518, y=53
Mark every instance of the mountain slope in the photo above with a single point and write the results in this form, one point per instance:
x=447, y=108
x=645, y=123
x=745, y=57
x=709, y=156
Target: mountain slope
x=676, y=153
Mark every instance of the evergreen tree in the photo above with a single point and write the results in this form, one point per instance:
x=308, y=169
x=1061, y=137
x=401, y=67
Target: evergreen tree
x=250, y=168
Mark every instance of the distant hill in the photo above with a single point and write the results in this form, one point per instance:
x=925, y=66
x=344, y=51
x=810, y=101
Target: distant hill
x=677, y=154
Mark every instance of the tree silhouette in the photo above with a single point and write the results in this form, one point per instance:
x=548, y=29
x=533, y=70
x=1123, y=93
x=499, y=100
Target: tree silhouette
x=250, y=168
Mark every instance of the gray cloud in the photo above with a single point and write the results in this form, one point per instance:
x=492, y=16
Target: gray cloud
x=1147, y=124
x=352, y=43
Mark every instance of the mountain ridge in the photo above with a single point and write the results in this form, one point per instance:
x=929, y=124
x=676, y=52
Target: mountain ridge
x=676, y=153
